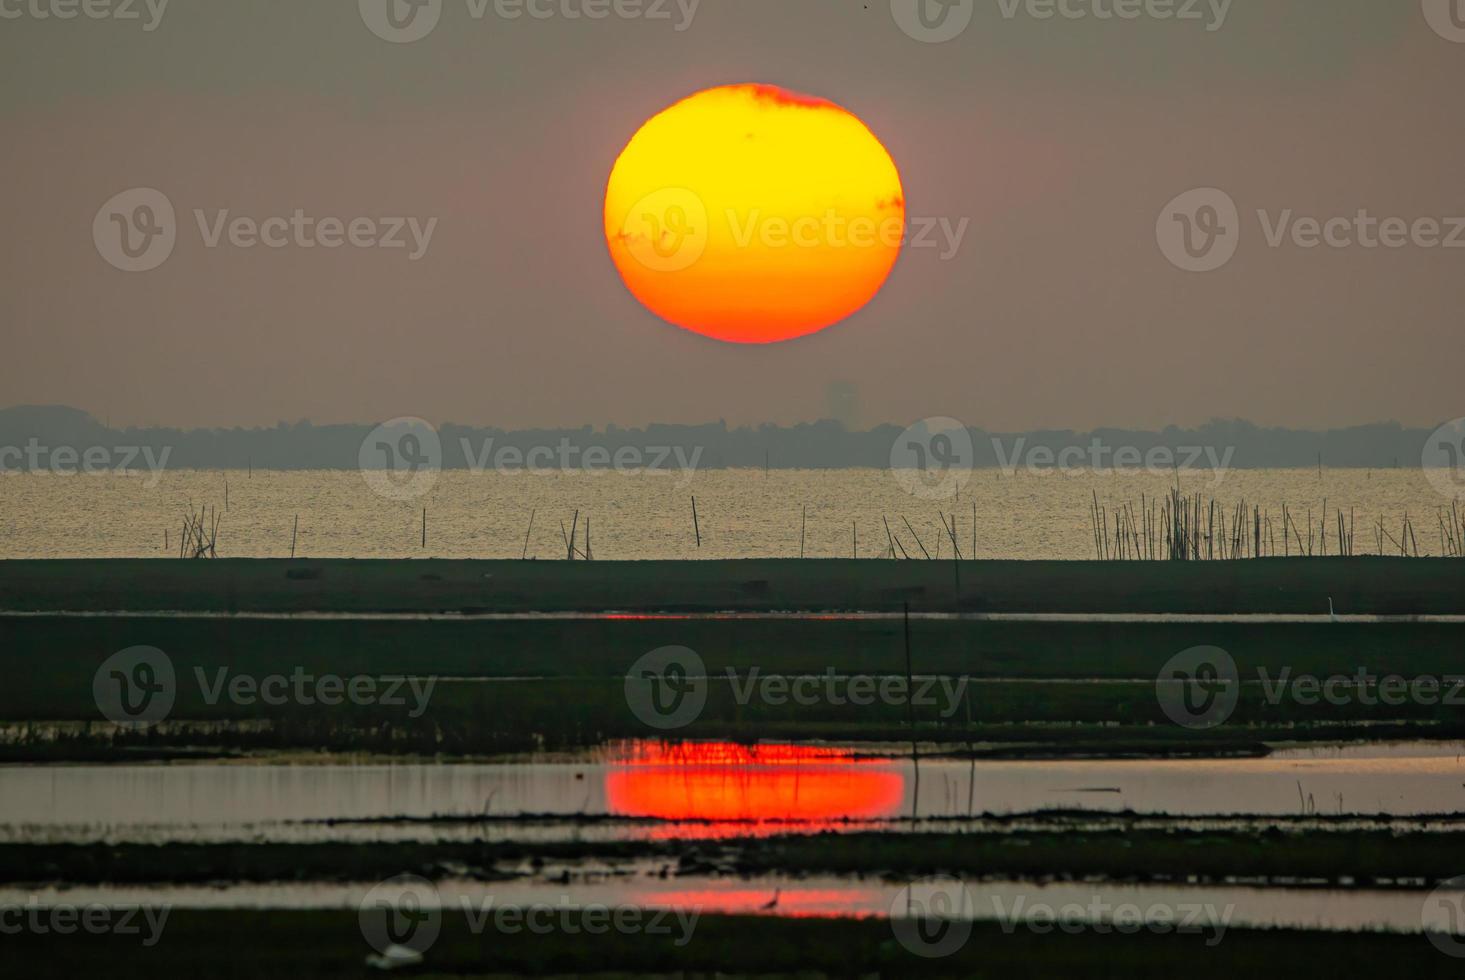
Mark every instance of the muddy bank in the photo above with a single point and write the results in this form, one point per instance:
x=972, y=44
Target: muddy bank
x=330, y=944
x=1325, y=858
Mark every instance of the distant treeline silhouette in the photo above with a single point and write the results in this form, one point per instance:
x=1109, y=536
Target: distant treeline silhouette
x=816, y=445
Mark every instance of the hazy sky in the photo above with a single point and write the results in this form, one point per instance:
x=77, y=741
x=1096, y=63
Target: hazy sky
x=1061, y=140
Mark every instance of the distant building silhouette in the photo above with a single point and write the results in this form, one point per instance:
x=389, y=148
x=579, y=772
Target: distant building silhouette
x=842, y=404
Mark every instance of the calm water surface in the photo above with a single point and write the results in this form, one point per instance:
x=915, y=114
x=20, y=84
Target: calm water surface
x=704, y=789
x=1211, y=908
x=741, y=513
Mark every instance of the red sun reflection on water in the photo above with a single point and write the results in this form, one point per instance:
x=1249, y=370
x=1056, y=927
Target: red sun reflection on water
x=815, y=786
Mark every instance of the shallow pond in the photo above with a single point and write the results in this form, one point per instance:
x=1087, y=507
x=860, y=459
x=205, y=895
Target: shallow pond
x=635, y=790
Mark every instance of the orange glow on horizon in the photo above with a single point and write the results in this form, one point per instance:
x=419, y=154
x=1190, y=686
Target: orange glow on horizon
x=753, y=214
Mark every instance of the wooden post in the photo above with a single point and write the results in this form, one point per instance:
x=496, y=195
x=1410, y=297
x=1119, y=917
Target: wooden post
x=803, y=524
x=424, y=527
x=294, y=534
x=696, y=528
x=919, y=544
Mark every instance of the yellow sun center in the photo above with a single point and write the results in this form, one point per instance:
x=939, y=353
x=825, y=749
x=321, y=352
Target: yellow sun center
x=753, y=214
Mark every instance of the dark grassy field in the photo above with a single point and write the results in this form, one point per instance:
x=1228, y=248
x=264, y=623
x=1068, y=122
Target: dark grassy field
x=577, y=694
x=254, y=945
x=1003, y=719
x=75, y=646
x=1279, y=585
x=578, y=665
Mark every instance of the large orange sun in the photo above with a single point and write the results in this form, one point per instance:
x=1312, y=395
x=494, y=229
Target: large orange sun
x=753, y=214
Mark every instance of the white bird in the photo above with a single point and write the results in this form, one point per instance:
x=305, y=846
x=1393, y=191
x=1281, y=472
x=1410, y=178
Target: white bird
x=1332, y=616
x=394, y=957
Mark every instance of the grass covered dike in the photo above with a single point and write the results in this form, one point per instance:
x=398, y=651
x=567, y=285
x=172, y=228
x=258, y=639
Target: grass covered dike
x=1394, y=586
